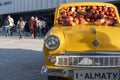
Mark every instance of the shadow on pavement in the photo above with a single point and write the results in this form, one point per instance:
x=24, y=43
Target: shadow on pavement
x=20, y=64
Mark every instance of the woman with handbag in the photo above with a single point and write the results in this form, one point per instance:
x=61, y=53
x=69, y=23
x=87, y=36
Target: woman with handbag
x=20, y=26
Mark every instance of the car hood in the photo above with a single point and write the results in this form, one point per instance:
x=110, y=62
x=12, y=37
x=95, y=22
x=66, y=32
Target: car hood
x=92, y=38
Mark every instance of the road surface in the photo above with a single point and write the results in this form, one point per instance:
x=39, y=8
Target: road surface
x=21, y=59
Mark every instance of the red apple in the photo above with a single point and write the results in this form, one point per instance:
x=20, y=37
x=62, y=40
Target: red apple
x=69, y=13
x=60, y=18
x=81, y=20
x=68, y=9
x=93, y=7
x=98, y=22
x=112, y=14
x=93, y=11
x=111, y=9
x=99, y=16
x=76, y=20
x=69, y=20
x=113, y=21
x=106, y=13
x=96, y=12
x=99, y=8
x=101, y=12
x=73, y=14
x=79, y=7
x=60, y=22
x=87, y=8
x=87, y=19
x=93, y=16
x=61, y=10
x=89, y=14
x=64, y=14
x=105, y=8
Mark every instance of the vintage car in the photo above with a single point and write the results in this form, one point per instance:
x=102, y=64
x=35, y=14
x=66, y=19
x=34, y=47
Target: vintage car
x=84, y=43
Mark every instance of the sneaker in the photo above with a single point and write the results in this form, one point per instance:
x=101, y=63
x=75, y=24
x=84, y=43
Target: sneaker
x=20, y=37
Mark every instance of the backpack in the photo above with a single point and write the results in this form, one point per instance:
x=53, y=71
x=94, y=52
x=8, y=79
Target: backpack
x=21, y=24
x=6, y=22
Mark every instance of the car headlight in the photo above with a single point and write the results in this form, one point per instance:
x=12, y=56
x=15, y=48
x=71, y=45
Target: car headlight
x=52, y=42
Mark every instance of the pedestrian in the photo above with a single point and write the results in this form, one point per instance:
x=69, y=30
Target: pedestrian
x=7, y=28
x=38, y=26
x=32, y=27
x=20, y=26
x=11, y=25
x=43, y=26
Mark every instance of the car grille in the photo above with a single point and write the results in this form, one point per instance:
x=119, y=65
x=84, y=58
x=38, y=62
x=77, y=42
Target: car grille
x=88, y=61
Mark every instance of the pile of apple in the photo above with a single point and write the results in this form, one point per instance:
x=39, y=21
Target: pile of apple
x=101, y=15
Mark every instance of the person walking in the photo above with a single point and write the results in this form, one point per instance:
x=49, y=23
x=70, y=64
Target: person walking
x=38, y=27
x=11, y=25
x=20, y=26
x=7, y=28
x=32, y=27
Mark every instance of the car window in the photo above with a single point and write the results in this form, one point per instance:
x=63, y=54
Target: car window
x=100, y=15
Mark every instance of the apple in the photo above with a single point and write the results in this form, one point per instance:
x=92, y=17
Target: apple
x=93, y=16
x=76, y=20
x=113, y=21
x=105, y=8
x=107, y=13
x=64, y=14
x=73, y=9
x=93, y=11
x=110, y=9
x=69, y=20
x=99, y=16
x=112, y=14
x=60, y=22
x=68, y=9
x=81, y=20
x=93, y=7
x=107, y=22
x=99, y=8
x=69, y=13
x=89, y=14
x=61, y=10
x=98, y=22
x=79, y=7
x=83, y=10
x=74, y=14
x=101, y=12
x=87, y=8
x=87, y=19
x=60, y=18
x=96, y=12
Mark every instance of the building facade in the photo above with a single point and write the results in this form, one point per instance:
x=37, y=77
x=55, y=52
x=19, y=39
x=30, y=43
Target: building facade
x=27, y=8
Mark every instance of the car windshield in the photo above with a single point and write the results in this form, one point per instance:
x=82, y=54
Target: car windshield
x=100, y=15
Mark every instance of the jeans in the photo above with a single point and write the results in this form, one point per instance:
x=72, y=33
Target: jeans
x=11, y=30
x=39, y=31
x=7, y=30
x=20, y=31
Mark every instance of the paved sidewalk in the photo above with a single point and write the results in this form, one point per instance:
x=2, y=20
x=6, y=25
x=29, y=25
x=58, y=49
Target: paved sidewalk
x=26, y=35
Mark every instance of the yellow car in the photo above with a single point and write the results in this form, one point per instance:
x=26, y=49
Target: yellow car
x=84, y=43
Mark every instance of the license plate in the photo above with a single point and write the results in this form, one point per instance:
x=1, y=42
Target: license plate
x=96, y=75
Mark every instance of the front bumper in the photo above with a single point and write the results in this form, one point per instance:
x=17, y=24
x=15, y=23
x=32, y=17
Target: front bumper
x=57, y=72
